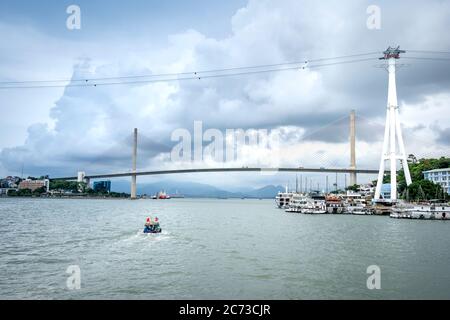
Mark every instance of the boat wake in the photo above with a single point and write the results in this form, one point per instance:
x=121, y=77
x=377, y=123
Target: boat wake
x=139, y=236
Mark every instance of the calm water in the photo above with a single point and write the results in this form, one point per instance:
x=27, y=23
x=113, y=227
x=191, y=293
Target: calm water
x=224, y=249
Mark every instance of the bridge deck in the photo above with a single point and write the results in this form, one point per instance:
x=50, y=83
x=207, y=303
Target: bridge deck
x=206, y=170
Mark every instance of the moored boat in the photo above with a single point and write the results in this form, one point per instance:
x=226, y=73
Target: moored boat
x=297, y=203
x=355, y=203
x=334, y=204
x=316, y=205
x=427, y=211
x=283, y=199
x=161, y=195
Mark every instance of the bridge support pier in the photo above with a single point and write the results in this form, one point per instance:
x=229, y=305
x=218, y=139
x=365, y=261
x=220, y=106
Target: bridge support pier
x=133, y=187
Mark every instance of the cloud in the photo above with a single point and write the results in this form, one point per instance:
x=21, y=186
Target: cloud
x=444, y=136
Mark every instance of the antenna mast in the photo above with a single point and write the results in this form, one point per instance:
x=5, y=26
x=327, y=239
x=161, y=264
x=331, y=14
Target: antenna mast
x=392, y=131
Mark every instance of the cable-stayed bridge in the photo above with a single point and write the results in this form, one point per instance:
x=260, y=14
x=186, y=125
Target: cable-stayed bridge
x=209, y=170
x=323, y=164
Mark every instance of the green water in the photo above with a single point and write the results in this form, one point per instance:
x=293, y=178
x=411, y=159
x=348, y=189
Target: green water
x=214, y=249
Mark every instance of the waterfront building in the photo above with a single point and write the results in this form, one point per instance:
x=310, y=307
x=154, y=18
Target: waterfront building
x=439, y=176
x=34, y=184
x=10, y=182
x=366, y=189
x=102, y=186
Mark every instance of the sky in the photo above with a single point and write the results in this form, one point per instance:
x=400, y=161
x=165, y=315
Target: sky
x=62, y=130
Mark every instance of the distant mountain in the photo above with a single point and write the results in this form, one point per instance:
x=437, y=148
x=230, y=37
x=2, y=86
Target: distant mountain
x=266, y=192
x=188, y=189
x=192, y=189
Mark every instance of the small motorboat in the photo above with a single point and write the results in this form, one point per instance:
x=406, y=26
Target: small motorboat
x=152, y=226
x=152, y=229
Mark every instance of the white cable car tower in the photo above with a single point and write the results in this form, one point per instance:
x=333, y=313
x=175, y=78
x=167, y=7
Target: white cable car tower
x=392, y=131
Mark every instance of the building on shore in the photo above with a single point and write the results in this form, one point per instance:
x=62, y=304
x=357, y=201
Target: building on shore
x=34, y=184
x=366, y=189
x=439, y=176
x=102, y=186
x=386, y=191
x=10, y=182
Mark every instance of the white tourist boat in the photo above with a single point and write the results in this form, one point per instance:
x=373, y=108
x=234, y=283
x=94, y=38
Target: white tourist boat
x=315, y=208
x=298, y=202
x=358, y=209
x=334, y=204
x=316, y=205
x=283, y=199
x=355, y=203
x=433, y=211
x=302, y=203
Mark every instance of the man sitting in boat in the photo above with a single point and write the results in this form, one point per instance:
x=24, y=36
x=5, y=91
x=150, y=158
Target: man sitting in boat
x=148, y=222
x=156, y=227
x=148, y=225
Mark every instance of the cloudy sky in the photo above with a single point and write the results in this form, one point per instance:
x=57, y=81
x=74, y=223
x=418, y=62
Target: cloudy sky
x=65, y=128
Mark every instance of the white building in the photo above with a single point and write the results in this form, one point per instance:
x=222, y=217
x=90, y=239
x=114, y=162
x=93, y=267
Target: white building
x=366, y=189
x=439, y=176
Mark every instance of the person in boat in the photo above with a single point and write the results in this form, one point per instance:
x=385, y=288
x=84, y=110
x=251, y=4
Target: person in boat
x=148, y=222
x=149, y=225
x=156, y=224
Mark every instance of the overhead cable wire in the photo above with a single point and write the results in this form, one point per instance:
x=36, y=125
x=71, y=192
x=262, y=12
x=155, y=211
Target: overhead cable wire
x=196, y=77
x=427, y=58
x=192, y=73
x=429, y=51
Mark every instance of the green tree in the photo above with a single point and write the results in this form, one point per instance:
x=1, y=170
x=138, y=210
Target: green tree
x=24, y=193
x=72, y=186
x=40, y=191
x=424, y=190
x=354, y=187
x=12, y=193
x=416, y=169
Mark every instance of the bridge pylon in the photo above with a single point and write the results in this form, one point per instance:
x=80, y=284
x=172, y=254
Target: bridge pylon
x=353, y=179
x=134, y=157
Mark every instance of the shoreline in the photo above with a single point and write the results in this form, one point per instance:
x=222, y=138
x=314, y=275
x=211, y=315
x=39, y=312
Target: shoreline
x=123, y=198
